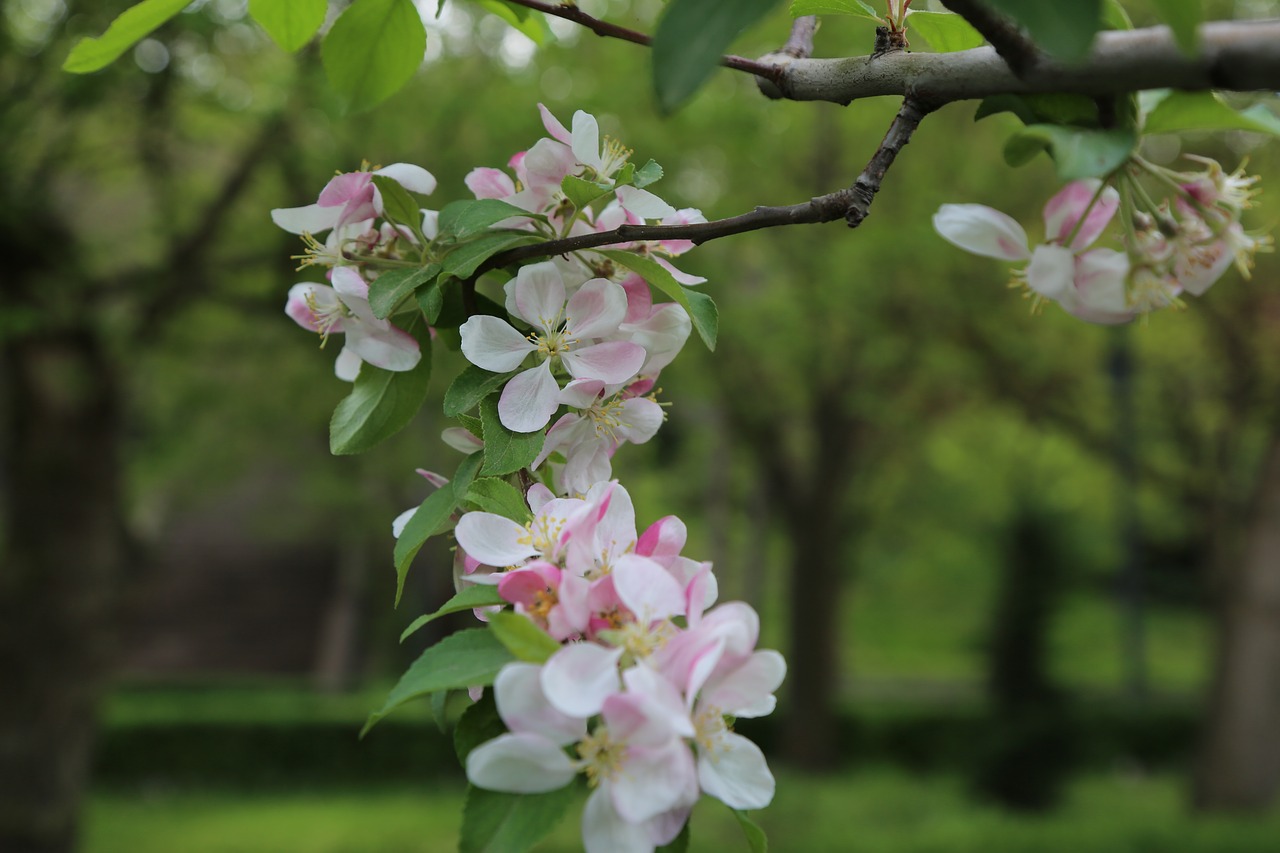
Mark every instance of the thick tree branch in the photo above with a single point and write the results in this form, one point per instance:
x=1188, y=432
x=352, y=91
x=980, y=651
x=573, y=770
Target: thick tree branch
x=852, y=205
x=569, y=12
x=1018, y=51
x=1234, y=55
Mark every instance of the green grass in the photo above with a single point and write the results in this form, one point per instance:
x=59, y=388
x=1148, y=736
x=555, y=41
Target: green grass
x=876, y=811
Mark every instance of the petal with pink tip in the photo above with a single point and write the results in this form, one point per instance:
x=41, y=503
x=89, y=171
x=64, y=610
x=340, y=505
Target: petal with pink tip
x=350, y=284
x=741, y=690
x=524, y=708
x=519, y=764
x=300, y=300
x=604, y=830
x=553, y=126
x=493, y=344
x=662, y=335
x=1100, y=281
x=687, y=279
x=580, y=677
x=1064, y=210
x=652, y=781
x=982, y=230
x=494, y=540
x=384, y=346
x=644, y=203
x=596, y=309
x=612, y=362
x=546, y=164
x=311, y=219
x=639, y=299
x=648, y=590
x=461, y=440
x=538, y=295
x=489, y=183
x=735, y=772
x=343, y=188
x=529, y=399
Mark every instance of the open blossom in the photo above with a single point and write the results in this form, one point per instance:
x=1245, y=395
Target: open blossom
x=351, y=197
x=344, y=309
x=566, y=332
x=1089, y=283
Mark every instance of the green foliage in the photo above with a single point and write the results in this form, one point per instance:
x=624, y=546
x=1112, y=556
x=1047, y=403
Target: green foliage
x=465, y=659
x=398, y=204
x=1078, y=110
x=691, y=37
x=945, y=32
x=494, y=822
x=1182, y=111
x=467, y=257
x=649, y=173
x=381, y=402
x=478, y=723
x=372, y=50
x=290, y=23
x=834, y=7
x=500, y=497
x=505, y=452
x=431, y=300
x=471, y=597
x=132, y=25
x=392, y=287
x=1065, y=29
x=471, y=386
x=1076, y=152
x=582, y=192
x=461, y=220
x=757, y=841
x=1183, y=17
x=522, y=638
x=519, y=17
x=431, y=517
x=702, y=310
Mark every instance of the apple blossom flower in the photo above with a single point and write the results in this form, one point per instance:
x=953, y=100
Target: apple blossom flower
x=351, y=197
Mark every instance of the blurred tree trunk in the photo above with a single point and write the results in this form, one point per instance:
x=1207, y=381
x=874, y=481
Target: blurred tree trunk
x=63, y=549
x=1239, y=766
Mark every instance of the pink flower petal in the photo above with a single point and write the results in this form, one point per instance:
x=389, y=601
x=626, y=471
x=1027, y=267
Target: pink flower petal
x=494, y=540
x=529, y=399
x=612, y=362
x=524, y=707
x=538, y=294
x=596, y=309
x=580, y=677
x=492, y=343
x=1063, y=211
x=982, y=230
x=553, y=126
x=490, y=183
x=736, y=773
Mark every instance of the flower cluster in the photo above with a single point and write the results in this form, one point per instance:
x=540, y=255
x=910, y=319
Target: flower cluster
x=1183, y=242
x=632, y=700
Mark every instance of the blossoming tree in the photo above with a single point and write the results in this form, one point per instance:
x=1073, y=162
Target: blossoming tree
x=602, y=654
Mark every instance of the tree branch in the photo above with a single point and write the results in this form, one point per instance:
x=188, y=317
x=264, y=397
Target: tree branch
x=1019, y=52
x=852, y=204
x=800, y=43
x=1234, y=55
x=569, y=12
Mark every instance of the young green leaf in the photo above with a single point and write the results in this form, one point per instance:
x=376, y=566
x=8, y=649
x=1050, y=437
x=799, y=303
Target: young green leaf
x=522, y=638
x=466, y=473
x=649, y=173
x=1064, y=28
x=1183, y=17
x=510, y=823
x=1181, y=111
x=943, y=31
x=468, y=658
x=463, y=219
x=471, y=386
x=290, y=23
x=1115, y=17
x=130, y=27
x=757, y=841
x=491, y=494
x=431, y=517
x=518, y=17
x=431, y=299
x=471, y=425
x=1076, y=152
x=381, y=402
x=690, y=39
x=372, y=50
x=1079, y=110
x=835, y=7
x=398, y=204
x=505, y=452
x=467, y=257
x=393, y=286
x=581, y=192
x=471, y=597
x=702, y=310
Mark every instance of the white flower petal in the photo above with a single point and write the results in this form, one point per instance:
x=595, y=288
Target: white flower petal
x=644, y=203
x=647, y=589
x=735, y=772
x=524, y=707
x=529, y=399
x=311, y=219
x=494, y=540
x=493, y=344
x=982, y=230
x=538, y=296
x=586, y=140
x=1051, y=271
x=612, y=362
x=578, y=678
x=413, y=178
x=596, y=309
x=604, y=830
x=748, y=686
x=519, y=764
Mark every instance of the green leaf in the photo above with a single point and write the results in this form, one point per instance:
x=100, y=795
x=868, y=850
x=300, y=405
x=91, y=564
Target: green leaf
x=835, y=7
x=1076, y=152
x=290, y=23
x=505, y=452
x=679, y=844
x=1042, y=109
x=130, y=27
x=1064, y=28
x=479, y=722
x=1115, y=17
x=499, y=497
x=494, y=822
x=471, y=425
x=381, y=402
x=431, y=300
x=372, y=50
x=702, y=310
x=467, y=257
x=431, y=517
x=1181, y=111
x=464, y=659
x=582, y=192
x=398, y=204
x=1183, y=17
x=471, y=597
x=463, y=219
x=757, y=841
x=393, y=286
x=690, y=39
x=518, y=17
x=522, y=638
x=944, y=31
x=471, y=386
x=466, y=473
x=649, y=173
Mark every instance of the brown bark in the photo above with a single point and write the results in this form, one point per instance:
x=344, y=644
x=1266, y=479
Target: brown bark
x=63, y=548
x=1239, y=767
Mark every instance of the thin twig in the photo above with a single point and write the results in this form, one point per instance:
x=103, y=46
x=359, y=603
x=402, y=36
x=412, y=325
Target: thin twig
x=800, y=42
x=1018, y=51
x=851, y=204
x=569, y=12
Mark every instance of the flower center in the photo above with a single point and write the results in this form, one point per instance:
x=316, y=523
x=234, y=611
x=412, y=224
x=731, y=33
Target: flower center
x=601, y=756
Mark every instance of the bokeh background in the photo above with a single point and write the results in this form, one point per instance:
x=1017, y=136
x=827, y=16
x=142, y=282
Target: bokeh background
x=1025, y=570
